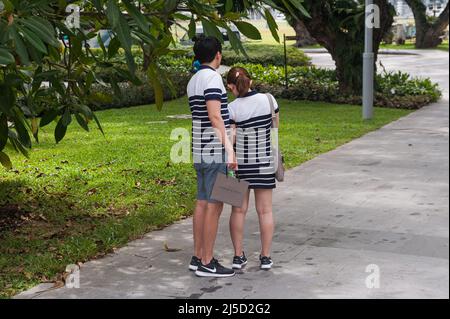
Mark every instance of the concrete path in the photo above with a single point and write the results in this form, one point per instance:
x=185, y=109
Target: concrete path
x=381, y=200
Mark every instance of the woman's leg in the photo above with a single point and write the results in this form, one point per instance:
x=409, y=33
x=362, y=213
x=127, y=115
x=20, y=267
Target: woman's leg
x=237, y=222
x=263, y=199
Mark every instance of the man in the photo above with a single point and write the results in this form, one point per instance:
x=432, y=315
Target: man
x=212, y=150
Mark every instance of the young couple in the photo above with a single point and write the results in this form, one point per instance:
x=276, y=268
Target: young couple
x=248, y=152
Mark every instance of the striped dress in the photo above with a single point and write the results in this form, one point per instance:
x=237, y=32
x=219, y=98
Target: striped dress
x=253, y=118
x=207, y=85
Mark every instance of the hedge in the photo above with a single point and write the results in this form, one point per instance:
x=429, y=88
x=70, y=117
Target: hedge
x=266, y=55
x=394, y=89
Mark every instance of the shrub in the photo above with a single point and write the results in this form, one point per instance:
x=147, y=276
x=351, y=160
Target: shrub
x=266, y=55
x=174, y=82
x=394, y=89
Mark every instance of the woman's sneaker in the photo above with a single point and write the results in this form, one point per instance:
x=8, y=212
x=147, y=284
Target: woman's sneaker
x=239, y=261
x=266, y=262
x=195, y=263
x=214, y=269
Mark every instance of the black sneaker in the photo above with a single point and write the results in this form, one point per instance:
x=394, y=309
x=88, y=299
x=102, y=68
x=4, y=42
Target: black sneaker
x=214, y=269
x=195, y=263
x=239, y=261
x=266, y=262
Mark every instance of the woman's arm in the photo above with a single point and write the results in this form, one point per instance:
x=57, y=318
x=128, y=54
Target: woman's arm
x=233, y=134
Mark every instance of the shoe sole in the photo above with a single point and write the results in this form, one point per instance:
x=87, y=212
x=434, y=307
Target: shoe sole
x=239, y=266
x=266, y=267
x=210, y=274
x=193, y=268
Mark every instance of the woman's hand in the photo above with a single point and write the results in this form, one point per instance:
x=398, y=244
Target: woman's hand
x=232, y=161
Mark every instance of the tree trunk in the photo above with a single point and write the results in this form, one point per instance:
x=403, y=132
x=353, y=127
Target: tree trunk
x=346, y=49
x=428, y=34
x=304, y=38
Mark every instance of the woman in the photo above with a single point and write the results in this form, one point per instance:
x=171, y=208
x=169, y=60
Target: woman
x=251, y=120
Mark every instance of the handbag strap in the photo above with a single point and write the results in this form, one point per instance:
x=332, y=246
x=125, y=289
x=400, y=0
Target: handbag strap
x=272, y=109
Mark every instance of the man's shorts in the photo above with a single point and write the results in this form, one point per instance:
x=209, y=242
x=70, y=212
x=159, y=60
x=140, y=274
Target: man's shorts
x=206, y=177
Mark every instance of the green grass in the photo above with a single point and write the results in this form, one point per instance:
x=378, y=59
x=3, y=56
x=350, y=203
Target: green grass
x=411, y=46
x=90, y=194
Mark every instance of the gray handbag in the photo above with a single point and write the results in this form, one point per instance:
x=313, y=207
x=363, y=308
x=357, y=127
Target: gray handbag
x=278, y=156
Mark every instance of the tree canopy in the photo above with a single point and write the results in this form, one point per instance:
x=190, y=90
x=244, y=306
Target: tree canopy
x=47, y=69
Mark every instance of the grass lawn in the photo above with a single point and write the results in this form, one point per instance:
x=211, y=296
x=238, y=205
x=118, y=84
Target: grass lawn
x=411, y=46
x=88, y=195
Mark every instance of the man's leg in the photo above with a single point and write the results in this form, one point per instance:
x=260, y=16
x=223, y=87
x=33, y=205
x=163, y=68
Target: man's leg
x=198, y=221
x=210, y=227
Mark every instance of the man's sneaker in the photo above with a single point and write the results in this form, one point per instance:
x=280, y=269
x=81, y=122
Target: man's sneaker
x=214, y=269
x=266, y=262
x=239, y=261
x=195, y=263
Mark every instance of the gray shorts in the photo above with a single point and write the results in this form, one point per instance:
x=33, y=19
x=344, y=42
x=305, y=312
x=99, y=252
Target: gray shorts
x=206, y=177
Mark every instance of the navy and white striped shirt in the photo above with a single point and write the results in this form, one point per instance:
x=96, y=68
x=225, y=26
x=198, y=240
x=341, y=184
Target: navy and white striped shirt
x=206, y=85
x=252, y=116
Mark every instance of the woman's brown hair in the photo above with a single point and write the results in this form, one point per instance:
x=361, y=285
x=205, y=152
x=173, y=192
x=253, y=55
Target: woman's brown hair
x=241, y=78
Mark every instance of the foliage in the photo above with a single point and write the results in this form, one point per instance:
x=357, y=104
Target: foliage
x=266, y=55
x=394, y=89
x=338, y=25
x=44, y=62
x=429, y=29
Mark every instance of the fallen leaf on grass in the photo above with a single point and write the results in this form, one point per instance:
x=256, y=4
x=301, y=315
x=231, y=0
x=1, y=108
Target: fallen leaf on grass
x=163, y=182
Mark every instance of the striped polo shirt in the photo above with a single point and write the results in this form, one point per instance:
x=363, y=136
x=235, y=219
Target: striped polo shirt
x=207, y=85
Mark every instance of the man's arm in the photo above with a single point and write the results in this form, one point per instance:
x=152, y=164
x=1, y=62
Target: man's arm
x=215, y=116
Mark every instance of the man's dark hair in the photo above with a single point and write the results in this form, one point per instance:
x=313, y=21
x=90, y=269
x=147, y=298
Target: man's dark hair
x=206, y=48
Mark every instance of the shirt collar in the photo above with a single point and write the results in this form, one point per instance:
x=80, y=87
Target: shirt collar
x=206, y=67
x=251, y=93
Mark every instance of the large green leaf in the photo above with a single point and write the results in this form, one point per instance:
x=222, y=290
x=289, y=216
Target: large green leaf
x=140, y=19
x=24, y=136
x=273, y=26
x=82, y=121
x=8, y=98
x=34, y=40
x=211, y=29
x=3, y=131
x=298, y=4
x=5, y=161
x=44, y=31
x=249, y=30
x=60, y=130
x=21, y=48
x=192, y=28
x=6, y=57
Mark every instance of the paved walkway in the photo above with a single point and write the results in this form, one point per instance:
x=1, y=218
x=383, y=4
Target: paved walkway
x=381, y=199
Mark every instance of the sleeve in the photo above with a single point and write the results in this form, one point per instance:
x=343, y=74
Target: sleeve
x=275, y=104
x=214, y=88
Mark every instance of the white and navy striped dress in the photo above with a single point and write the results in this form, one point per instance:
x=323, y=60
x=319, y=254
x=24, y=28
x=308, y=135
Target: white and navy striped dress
x=207, y=85
x=253, y=118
